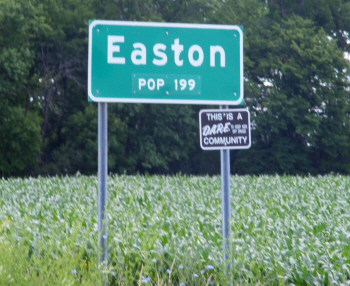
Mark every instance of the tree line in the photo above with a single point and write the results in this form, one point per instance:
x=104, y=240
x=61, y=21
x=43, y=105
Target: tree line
x=296, y=82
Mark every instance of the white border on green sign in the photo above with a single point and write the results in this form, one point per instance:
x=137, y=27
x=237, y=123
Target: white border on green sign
x=93, y=23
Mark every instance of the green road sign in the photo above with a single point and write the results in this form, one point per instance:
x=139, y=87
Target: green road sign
x=146, y=62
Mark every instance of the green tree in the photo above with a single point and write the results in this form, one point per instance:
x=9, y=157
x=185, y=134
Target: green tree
x=331, y=15
x=20, y=23
x=61, y=63
x=158, y=136
x=19, y=141
x=187, y=11
x=296, y=86
x=78, y=149
x=299, y=111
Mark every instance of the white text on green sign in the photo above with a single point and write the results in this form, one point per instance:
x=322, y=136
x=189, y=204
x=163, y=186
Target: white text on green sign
x=165, y=63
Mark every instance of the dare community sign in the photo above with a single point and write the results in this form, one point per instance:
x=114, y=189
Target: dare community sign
x=224, y=129
x=146, y=62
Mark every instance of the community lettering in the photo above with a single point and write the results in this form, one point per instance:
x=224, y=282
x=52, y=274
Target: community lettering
x=225, y=140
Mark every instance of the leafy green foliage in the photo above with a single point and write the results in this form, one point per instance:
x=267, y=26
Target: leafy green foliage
x=296, y=86
x=20, y=22
x=19, y=142
x=79, y=151
x=285, y=230
x=23, y=264
x=330, y=15
x=157, y=135
x=300, y=107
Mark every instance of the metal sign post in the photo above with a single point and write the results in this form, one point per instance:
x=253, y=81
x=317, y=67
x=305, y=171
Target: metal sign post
x=226, y=210
x=102, y=180
x=224, y=129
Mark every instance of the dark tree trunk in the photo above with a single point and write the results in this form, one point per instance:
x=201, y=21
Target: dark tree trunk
x=282, y=8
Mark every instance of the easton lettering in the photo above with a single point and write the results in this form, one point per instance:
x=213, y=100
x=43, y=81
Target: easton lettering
x=138, y=56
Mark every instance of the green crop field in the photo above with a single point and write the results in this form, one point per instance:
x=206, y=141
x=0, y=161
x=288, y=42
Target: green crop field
x=167, y=231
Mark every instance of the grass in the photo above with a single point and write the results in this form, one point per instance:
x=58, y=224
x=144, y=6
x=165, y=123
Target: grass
x=167, y=231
